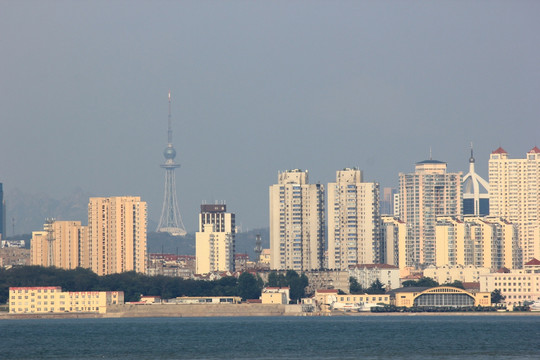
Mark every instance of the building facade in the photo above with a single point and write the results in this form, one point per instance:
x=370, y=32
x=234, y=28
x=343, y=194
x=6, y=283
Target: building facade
x=59, y=244
x=367, y=274
x=515, y=196
x=397, y=247
x=441, y=296
x=297, y=224
x=423, y=195
x=448, y=274
x=353, y=220
x=517, y=285
x=215, y=246
x=51, y=299
x=116, y=240
x=488, y=242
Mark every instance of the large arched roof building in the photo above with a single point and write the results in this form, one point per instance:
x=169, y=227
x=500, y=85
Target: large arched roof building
x=440, y=296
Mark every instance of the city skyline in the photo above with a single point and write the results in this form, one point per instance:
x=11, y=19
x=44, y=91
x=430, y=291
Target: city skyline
x=279, y=86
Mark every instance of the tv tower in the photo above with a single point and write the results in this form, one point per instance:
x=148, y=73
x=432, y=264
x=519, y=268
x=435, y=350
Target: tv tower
x=170, y=221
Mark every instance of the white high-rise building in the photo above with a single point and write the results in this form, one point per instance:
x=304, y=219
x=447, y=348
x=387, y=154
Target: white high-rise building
x=514, y=187
x=296, y=222
x=423, y=195
x=215, y=245
x=353, y=221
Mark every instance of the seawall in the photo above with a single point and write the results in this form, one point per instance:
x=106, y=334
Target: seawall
x=201, y=310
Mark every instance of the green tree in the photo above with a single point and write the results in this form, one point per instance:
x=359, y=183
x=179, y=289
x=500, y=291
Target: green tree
x=354, y=286
x=496, y=296
x=376, y=287
x=457, y=284
x=423, y=282
x=298, y=286
x=248, y=287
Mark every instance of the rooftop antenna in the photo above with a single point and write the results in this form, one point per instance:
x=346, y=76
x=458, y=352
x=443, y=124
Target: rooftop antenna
x=50, y=240
x=258, y=247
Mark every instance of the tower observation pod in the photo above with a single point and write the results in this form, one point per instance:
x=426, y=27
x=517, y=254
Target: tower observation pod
x=170, y=220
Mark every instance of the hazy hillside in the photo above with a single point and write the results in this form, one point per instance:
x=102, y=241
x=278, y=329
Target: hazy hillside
x=31, y=210
x=162, y=242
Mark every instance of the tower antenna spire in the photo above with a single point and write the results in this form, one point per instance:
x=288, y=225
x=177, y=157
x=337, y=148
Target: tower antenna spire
x=170, y=220
x=169, y=131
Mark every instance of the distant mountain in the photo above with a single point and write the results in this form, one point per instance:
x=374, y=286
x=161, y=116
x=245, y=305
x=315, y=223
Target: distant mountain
x=31, y=210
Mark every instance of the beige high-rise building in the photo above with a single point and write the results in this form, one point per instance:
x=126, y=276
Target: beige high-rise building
x=39, y=249
x=396, y=246
x=514, y=188
x=215, y=246
x=486, y=242
x=423, y=195
x=296, y=222
x=353, y=221
x=58, y=244
x=116, y=240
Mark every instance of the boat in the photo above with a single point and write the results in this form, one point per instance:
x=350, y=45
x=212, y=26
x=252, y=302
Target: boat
x=535, y=306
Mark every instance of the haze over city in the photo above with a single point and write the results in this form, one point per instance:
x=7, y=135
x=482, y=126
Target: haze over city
x=258, y=88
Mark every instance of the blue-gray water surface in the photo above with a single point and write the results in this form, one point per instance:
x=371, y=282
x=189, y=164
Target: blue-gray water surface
x=359, y=337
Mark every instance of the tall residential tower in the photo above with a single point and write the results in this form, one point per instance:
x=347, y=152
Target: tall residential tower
x=514, y=189
x=116, y=240
x=353, y=221
x=215, y=239
x=296, y=222
x=423, y=195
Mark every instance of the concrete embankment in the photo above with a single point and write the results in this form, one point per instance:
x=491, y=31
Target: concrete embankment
x=201, y=310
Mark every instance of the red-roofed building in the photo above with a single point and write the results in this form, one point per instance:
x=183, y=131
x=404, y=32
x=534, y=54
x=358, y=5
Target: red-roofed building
x=534, y=150
x=499, y=150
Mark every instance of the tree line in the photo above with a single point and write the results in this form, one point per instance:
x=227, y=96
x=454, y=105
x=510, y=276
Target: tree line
x=134, y=284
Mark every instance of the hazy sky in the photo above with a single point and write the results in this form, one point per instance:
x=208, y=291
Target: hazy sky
x=258, y=87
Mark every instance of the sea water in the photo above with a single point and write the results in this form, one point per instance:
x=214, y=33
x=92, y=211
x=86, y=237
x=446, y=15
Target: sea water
x=343, y=337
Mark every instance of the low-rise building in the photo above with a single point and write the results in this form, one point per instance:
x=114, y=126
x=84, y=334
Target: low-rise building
x=275, y=295
x=517, y=286
x=327, y=279
x=171, y=265
x=448, y=274
x=328, y=299
x=206, y=300
x=51, y=299
x=12, y=256
x=367, y=274
x=441, y=296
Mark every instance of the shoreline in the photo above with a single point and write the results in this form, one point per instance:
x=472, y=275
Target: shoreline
x=241, y=310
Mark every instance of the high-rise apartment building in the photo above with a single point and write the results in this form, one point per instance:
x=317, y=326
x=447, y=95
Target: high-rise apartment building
x=296, y=222
x=116, y=240
x=386, y=203
x=215, y=245
x=396, y=246
x=485, y=242
x=353, y=221
x=514, y=188
x=423, y=195
x=59, y=244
